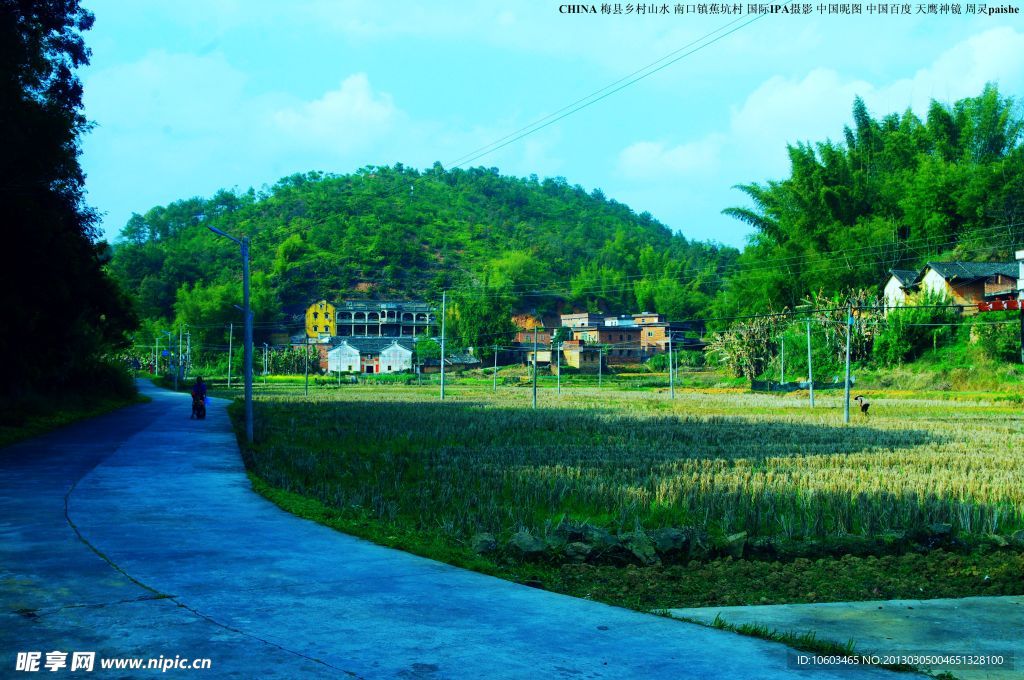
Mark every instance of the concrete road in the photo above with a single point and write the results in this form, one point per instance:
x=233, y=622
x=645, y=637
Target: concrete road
x=980, y=627
x=137, y=535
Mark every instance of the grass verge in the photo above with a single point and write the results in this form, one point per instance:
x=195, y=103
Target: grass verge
x=70, y=411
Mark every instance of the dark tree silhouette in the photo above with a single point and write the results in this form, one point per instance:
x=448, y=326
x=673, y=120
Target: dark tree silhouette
x=61, y=310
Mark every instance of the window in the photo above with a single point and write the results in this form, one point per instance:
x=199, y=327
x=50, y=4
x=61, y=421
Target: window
x=316, y=328
x=316, y=315
x=389, y=368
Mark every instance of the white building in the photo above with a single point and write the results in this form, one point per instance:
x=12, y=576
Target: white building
x=395, y=358
x=343, y=359
x=901, y=282
x=370, y=355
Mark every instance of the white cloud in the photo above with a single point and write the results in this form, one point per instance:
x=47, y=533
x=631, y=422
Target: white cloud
x=808, y=107
x=181, y=94
x=350, y=117
x=648, y=160
x=961, y=71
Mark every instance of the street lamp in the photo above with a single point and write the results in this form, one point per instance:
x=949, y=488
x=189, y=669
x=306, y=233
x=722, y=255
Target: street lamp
x=243, y=243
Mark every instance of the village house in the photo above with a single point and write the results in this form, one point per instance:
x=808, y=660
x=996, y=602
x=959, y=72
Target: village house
x=387, y=319
x=320, y=320
x=370, y=355
x=623, y=342
x=454, y=362
x=969, y=283
x=578, y=356
x=902, y=282
x=654, y=336
x=620, y=320
x=575, y=354
x=965, y=283
x=644, y=318
x=526, y=337
x=582, y=320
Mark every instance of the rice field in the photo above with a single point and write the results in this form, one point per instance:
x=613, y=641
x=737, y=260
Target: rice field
x=723, y=461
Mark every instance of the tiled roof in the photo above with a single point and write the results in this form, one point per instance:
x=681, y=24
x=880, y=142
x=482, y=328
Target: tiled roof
x=970, y=271
x=906, y=277
x=365, y=345
x=379, y=305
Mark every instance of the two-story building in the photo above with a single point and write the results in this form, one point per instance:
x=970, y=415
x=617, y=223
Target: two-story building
x=622, y=342
x=386, y=319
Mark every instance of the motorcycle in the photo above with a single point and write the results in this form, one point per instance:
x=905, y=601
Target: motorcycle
x=198, y=407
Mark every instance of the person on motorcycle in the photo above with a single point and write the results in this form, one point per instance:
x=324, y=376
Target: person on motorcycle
x=199, y=399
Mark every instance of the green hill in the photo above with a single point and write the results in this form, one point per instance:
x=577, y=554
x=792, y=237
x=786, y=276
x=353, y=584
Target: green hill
x=396, y=232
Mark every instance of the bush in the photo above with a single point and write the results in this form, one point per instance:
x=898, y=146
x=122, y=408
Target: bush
x=687, y=358
x=998, y=335
x=910, y=331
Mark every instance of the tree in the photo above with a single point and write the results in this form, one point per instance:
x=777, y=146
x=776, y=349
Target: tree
x=53, y=289
x=482, y=318
x=894, y=193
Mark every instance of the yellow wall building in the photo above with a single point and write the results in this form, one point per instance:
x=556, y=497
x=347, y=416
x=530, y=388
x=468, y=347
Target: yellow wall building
x=320, y=320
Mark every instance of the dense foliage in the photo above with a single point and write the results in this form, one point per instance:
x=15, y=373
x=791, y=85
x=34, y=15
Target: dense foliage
x=893, y=194
x=53, y=289
x=998, y=334
x=911, y=331
x=528, y=244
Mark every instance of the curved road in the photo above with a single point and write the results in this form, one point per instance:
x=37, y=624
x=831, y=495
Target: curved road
x=137, y=535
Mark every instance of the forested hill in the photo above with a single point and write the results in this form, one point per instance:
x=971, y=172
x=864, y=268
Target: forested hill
x=896, y=192
x=396, y=232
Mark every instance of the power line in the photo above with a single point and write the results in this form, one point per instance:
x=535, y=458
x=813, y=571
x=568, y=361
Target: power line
x=599, y=95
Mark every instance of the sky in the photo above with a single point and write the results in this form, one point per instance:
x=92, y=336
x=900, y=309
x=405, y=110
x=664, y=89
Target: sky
x=195, y=96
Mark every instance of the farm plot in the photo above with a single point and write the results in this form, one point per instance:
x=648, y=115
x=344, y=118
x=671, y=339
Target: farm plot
x=717, y=476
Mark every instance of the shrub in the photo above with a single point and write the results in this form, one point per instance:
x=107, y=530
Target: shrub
x=998, y=335
x=908, y=332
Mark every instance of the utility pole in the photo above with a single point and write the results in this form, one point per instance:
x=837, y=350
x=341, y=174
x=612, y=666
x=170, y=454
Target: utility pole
x=559, y=364
x=188, y=352
x=846, y=383
x=600, y=364
x=810, y=369
x=444, y=300
x=247, y=353
x=782, y=377
x=494, y=376
x=231, y=336
x=671, y=369
x=177, y=369
x=1020, y=299
x=156, y=356
x=305, y=355
x=535, y=367
x=243, y=244
x=265, y=363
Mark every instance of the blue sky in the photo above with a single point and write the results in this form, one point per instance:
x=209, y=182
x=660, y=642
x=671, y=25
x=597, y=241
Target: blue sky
x=192, y=97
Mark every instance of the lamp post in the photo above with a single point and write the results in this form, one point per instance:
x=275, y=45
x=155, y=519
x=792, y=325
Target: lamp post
x=243, y=244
